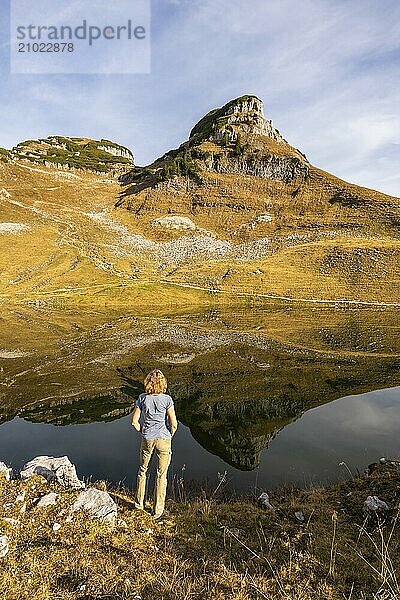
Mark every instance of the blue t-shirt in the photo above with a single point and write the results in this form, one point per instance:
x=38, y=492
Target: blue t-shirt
x=153, y=409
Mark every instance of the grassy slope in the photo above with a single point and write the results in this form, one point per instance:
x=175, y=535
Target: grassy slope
x=320, y=248
x=329, y=239
x=210, y=547
x=340, y=268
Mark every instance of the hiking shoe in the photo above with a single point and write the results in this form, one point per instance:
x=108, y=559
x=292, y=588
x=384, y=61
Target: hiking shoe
x=160, y=518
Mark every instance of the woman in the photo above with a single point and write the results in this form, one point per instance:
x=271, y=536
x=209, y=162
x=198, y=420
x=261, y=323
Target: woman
x=159, y=424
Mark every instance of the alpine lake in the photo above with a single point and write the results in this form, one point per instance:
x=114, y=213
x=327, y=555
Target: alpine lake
x=265, y=396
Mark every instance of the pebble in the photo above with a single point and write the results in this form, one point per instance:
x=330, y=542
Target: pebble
x=11, y=521
x=122, y=523
x=299, y=516
x=4, y=547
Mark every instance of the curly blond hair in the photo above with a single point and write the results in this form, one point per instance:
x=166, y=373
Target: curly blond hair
x=155, y=382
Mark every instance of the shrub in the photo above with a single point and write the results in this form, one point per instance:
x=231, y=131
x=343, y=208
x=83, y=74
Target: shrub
x=181, y=165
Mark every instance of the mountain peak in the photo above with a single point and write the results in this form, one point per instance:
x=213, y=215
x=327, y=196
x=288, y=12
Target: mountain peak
x=241, y=116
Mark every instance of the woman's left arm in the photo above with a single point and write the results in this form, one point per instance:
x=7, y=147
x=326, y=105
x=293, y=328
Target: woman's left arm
x=173, y=422
x=135, y=419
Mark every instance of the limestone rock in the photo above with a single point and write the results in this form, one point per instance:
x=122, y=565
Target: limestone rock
x=264, y=502
x=47, y=500
x=375, y=504
x=99, y=504
x=174, y=222
x=11, y=521
x=100, y=156
x=4, y=548
x=281, y=168
x=6, y=471
x=241, y=115
x=54, y=469
x=21, y=497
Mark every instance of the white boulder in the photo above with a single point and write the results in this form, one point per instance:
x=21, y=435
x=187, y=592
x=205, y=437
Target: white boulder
x=99, y=504
x=47, y=500
x=54, y=469
x=264, y=502
x=174, y=222
x=375, y=504
x=6, y=471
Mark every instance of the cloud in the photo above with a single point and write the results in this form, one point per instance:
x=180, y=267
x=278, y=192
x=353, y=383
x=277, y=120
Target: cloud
x=327, y=71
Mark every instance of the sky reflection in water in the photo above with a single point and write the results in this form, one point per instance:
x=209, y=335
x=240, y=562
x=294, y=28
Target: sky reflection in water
x=356, y=430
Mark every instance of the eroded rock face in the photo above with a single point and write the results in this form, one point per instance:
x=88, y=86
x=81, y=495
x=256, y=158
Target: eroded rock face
x=57, y=469
x=99, y=504
x=281, y=168
x=244, y=115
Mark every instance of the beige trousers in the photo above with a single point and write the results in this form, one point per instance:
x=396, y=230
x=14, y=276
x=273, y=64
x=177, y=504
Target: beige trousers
x=163, y=452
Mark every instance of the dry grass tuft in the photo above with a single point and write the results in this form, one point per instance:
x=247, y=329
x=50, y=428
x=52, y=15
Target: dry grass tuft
x=209, y=547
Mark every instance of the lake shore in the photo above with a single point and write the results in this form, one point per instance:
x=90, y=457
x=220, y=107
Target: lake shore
x=321, y=542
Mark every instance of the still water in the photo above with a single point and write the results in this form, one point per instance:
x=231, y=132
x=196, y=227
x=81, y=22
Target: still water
x=269, y=397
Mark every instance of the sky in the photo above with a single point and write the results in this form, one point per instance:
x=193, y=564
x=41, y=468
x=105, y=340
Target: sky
x=328, y=72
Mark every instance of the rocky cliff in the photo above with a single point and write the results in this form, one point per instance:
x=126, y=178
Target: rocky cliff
x=244, y=115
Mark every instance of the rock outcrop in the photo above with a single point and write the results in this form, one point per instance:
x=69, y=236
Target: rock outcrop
x=235, y=139
x=59, y=469
x=281, y=168
x=47, y=500
x=75, y=154
x=241, y=116
x=98, y=503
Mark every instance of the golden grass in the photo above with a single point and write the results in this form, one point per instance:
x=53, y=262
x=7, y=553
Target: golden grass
x=66, y=249
x=210, y=546
x=345, y=269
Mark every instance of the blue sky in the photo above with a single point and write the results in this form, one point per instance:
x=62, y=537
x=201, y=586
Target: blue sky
x=327, y=70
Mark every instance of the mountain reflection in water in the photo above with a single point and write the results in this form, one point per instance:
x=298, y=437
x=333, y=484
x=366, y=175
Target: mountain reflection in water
x=238, y=378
